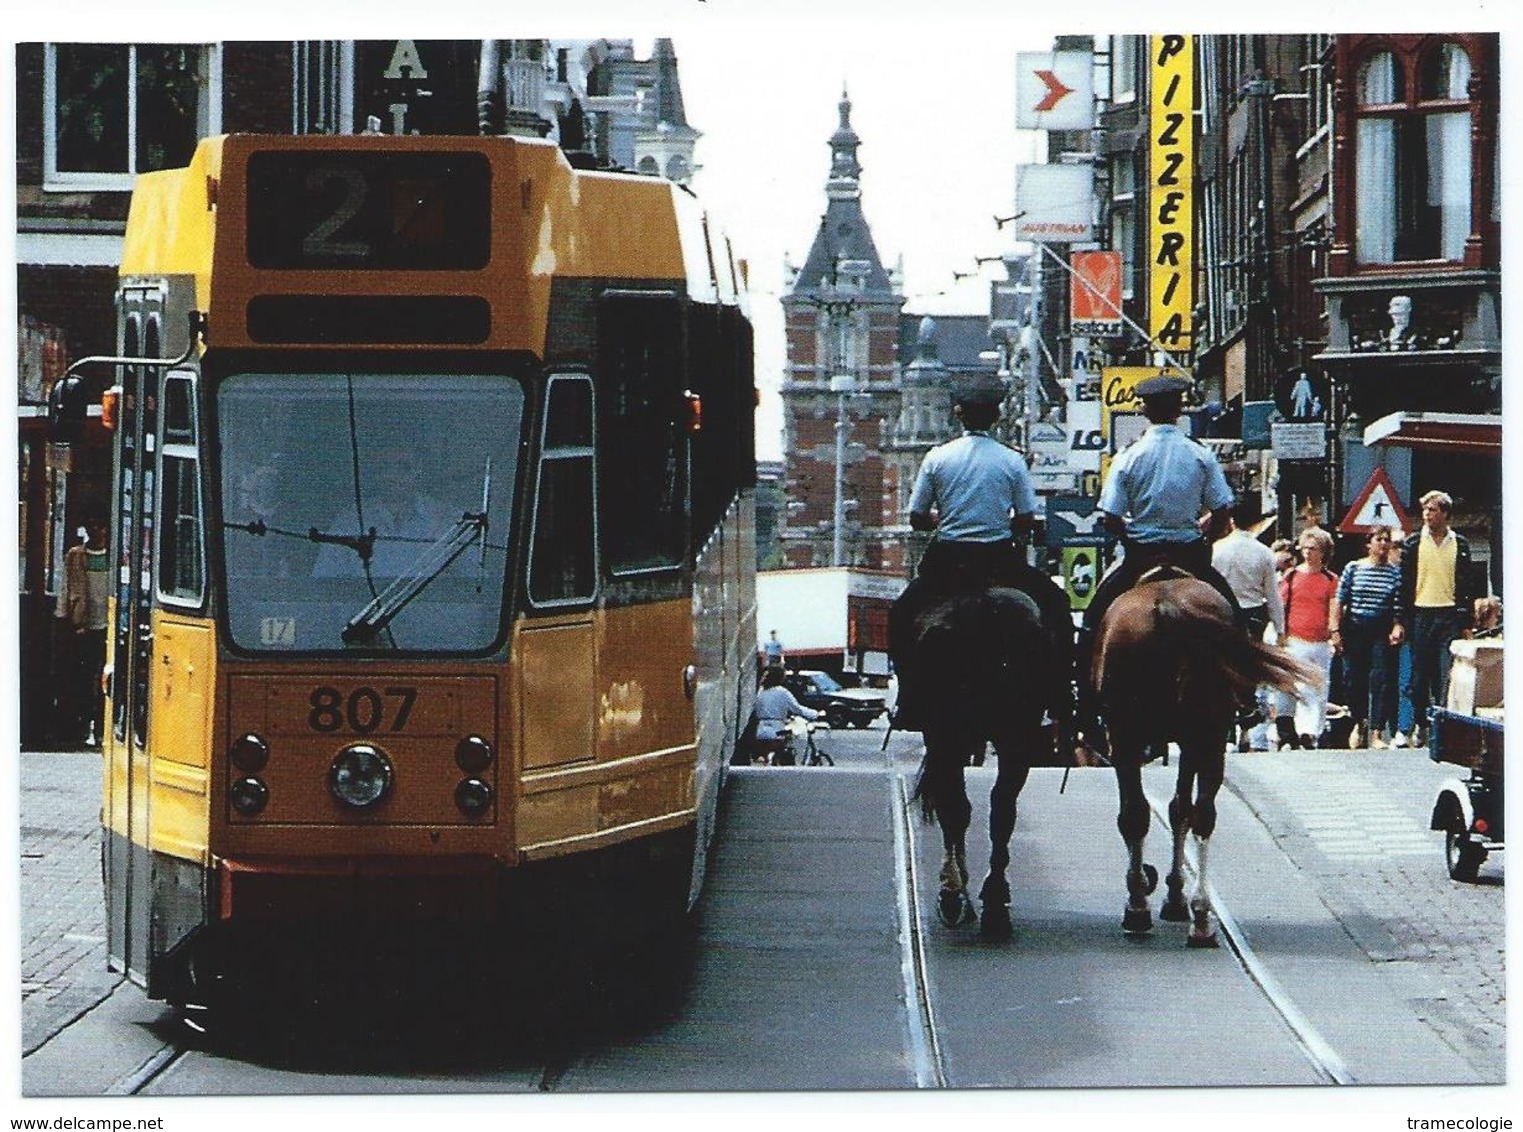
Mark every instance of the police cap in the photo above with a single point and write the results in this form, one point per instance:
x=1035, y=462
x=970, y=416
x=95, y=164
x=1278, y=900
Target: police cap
x=1163, y=384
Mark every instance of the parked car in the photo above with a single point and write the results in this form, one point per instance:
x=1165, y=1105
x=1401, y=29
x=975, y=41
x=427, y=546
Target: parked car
x=855, y=707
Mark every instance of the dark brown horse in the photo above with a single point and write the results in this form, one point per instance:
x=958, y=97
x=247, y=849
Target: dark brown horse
x=1168, y=664
x=985, y=656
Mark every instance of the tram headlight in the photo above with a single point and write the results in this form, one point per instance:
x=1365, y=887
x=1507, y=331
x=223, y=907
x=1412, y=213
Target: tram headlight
x=473, y=754
x=474, y=797
x=361, y=776
x=249, y=796
x=249, y=753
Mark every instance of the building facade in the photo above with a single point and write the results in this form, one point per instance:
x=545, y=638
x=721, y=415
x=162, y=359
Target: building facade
x=840, y=389
x=1346, y=263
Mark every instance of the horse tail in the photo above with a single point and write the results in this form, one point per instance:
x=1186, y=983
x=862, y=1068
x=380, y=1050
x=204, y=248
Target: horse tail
x=1244, y=662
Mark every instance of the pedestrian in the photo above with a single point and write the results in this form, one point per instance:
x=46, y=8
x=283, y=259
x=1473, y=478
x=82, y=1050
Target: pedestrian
x=1167, y=498
x=1310, y=596
x=1434, y=604
x=775, y=706
x=772, y=652
x=82, y=611
x=1366, y=613
x=976, y=494
x=1284, y=551
x=1249, y=567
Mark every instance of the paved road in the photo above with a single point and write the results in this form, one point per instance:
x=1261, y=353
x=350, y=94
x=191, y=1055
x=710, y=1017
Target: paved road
x=1438, y=942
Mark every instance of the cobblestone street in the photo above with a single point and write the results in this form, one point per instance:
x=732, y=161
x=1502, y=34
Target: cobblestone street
x=1380, y=871
x=63, y=927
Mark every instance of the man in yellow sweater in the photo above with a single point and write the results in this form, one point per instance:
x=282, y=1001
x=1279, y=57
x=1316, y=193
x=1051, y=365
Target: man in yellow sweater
x=1433, y=606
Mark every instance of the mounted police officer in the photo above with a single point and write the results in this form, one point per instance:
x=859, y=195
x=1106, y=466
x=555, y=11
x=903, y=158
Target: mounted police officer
x=976, y=494
x=1167, y=499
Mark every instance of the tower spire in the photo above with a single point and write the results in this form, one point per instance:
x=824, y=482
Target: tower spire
x=845, y=169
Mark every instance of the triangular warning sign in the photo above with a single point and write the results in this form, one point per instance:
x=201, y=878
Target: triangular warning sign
x=1376, y=506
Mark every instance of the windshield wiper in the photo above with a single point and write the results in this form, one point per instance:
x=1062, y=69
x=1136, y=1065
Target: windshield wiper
x=363, y=545
x=365, y=624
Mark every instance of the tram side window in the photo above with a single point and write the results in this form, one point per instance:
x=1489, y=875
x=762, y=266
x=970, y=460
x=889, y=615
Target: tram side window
x=182, y=557
x=563, y=564
x=643, y=475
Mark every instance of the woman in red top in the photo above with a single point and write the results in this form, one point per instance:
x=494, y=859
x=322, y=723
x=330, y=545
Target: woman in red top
x=1310, y=596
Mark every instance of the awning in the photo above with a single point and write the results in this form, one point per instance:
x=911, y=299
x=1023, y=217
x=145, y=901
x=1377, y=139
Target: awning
x=1479, y=434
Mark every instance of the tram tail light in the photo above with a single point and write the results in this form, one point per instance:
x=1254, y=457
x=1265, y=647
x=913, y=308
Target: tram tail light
x=249, y=753
x=473, y=754
x=474, y=797
x=1481, y=825
x=694, y=411
x=249, y=796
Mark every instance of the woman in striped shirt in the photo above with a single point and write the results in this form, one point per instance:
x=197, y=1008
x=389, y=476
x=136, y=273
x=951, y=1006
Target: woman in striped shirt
x=1366, y=607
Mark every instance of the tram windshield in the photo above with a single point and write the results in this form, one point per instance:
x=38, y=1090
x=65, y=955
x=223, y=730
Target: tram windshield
x=367, y=510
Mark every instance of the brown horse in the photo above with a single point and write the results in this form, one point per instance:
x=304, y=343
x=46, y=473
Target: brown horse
x=1169, y=662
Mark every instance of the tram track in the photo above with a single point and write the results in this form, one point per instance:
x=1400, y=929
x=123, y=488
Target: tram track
x=920, y=1020
x=1316, y=1049
x=133, y=1083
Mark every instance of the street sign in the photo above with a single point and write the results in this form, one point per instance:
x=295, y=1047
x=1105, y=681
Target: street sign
x=1073, y=520
x=1298, y=440
x=1054, y=203
x=1081, y=574
x=1376, y=506
x=1054, y=90
x=1094, y=293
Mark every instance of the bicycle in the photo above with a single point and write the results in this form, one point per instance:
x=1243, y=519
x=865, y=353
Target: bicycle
x=811, y=754
x=794, y=747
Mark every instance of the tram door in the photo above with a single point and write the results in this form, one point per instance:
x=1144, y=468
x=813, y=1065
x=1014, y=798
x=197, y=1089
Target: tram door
x=129, y=882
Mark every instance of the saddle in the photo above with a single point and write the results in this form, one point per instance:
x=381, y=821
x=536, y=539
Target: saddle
x=1163, y=572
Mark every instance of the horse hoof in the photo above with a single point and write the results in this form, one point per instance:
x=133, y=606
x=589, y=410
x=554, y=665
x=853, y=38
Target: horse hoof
x=955, y=909
x=1205, y=941
x=995, y=922
x=1137, y=921
x=1175, y=912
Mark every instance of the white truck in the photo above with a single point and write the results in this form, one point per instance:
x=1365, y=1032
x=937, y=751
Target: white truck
x=833, y=618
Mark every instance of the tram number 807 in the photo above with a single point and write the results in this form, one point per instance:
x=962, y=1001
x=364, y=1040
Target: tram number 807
x=364, y=710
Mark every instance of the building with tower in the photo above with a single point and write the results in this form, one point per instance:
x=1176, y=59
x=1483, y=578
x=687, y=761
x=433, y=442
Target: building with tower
x=840, y=388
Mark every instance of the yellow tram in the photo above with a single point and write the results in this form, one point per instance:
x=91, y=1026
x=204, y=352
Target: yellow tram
x=434, y=530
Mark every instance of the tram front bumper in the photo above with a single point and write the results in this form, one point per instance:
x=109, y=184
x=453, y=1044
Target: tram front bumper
x=342, y=891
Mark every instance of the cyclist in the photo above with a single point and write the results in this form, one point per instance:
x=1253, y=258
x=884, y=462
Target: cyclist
x=775, y=705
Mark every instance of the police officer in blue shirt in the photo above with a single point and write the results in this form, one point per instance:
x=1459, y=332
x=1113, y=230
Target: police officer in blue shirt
x=976, y=494
x=1167, y=499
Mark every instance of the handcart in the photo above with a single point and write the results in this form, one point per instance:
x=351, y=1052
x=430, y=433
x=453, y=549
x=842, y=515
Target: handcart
x=1470, y=810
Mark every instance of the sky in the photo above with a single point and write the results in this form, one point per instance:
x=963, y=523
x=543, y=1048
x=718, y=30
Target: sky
x=938, y=155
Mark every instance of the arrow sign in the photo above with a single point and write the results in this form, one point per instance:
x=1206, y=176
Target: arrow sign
x=1376, y=506
x=1054, y=90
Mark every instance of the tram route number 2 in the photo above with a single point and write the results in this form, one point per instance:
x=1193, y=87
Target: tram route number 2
x=363, y=710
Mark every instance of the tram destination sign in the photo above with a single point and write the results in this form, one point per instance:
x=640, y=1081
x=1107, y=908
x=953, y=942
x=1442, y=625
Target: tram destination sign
x=348, y=209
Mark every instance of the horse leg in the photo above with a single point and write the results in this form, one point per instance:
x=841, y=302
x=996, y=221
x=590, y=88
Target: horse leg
x=1132, y=821
x=995, y=894
x=1174, y=909
x=946, y=787
x=1203, y=824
